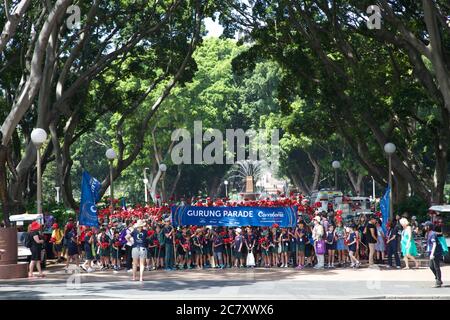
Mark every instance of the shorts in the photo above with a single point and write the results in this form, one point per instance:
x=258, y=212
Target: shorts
x=35, y=253
x=72, y=250
x=237, y=254
x=293, y=247
x=308, y=250
x=115, y=254
x=104, y=252
x=265, y=252
x=331, y=246
x=285, y=248
x=207, y=250
x=301, y=247
x=180, y=251
x=150, y=253
x=89, y=255
x=139, y=253
x=58, y=247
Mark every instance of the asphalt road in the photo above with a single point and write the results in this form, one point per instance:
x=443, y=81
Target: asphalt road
x=258, y=284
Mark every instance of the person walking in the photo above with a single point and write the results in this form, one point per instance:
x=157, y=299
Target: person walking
x=35, y=244
x=371, y=236
x=139, y=249
x=434, y=249
x=89, y=249
x=351, y=243
x=409, y=249
x=391, y=244
x=57, y=239
x=71, y=239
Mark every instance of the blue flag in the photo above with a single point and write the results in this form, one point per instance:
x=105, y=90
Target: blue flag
x=384, y=206
x=90, y=188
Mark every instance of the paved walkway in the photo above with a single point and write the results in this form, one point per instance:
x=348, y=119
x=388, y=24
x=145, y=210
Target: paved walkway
x=363, y=283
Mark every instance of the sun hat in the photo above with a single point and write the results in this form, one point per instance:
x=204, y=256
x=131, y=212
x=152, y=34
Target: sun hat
x=139, y=223
x=35, y=226
x=427, y=224
x=238, y=230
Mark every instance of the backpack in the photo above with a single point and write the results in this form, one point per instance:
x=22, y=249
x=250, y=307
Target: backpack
x=28, y=240
x=443, y=243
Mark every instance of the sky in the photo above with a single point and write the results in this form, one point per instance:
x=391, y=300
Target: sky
x=214, y=28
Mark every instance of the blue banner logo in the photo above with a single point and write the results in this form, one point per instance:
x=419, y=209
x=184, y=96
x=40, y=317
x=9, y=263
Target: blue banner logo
x=384, y=206
x=89, y=196
x=234, y=216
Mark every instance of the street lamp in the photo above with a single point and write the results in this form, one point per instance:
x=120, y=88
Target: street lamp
x=390, y=148
x=162, y=168
x=57, y=194
x=145, y=180
x=145, y=189
x=111, y=155
x=226, y=188
x=38, y=137
x=336, y=165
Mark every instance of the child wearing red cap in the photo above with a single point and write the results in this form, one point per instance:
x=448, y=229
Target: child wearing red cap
x=56, y=238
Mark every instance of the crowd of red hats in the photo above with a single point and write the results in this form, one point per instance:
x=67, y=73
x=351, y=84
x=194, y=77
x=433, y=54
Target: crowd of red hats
x=157, y=213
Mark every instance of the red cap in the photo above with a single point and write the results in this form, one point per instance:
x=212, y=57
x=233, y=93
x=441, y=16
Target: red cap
x=35, y=226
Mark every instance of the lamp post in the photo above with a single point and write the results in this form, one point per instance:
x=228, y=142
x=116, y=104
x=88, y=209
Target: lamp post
x=38, y=137
x=336, y=165
x=373, y=189
x=162, y=168
x=226, y=188
x=145, y=189
x=111, y=155
x=146, y=181
x=57, y=194
x=390, y=148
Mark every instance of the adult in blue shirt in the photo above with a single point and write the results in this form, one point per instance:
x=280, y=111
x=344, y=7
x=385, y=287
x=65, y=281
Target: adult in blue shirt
x=139, y=248
x=435, y=251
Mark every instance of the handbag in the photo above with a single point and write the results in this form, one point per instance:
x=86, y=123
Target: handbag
x=320, y=247
x=250, y=260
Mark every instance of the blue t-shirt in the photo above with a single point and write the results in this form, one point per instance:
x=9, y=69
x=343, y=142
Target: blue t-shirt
x=87, y=245
x=70, y=236
x=432, y=239
x=352, y=238
x=140, y=238
x=237, y=242
x=218, y=241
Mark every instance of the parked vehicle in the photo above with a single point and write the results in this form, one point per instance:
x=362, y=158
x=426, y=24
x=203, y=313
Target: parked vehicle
x=326, y=198
x=24, y=253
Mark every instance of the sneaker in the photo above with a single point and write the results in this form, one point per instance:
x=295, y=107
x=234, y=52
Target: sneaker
x=89, y=270
x=398, y=267
x=285, y=265
x=130, y=270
